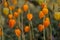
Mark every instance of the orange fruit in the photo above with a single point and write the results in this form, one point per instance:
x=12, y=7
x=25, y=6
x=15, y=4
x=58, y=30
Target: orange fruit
x=29, y=16
x=10, y=16
x=12, y=22
x=45, y=11
x=41, y=15
x=59, y=25
x=27, y=29
x=25, y=7
x=40, y=27
x=19, y=10
x=16, y=14
x=18, y=32
x=11, y=7
x=14, y=2
x=5, y=4
x=0, y=32
x=46, y=22
x=42, y=5
x=47, y=19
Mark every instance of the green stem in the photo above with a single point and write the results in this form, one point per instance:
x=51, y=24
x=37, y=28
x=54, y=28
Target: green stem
x=18, y=38
x=45, y=1
x=43, y=30
x=30, y=32
x=32, y=29
x=8, y=36
x=47, y=32
x=0, y=38
x=2, y=28
x=23, y=36
x=44, y=34
x=50, y=32
x=10, y=11
x=2, y=34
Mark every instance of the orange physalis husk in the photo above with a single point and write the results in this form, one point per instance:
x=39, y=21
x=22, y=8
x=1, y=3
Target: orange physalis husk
x=29, y=16
x=16, y=14
x=14, y=2
x=41, y=15
x=40, y=27
x=10, y=16
x=59, y=25
x=5, y=4
x=11, y=7
x=45, y=11
x=47, y=19
x=12, y=23
x=43, y=5
x=25, y=7
x=27, y=29
x=0, y=32
x=18, y=32
x=46, y=22
x=19, y=10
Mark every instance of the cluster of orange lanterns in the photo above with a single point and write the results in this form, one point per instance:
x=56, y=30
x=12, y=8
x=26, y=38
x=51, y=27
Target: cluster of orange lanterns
x=12, y=17
x=46, y=20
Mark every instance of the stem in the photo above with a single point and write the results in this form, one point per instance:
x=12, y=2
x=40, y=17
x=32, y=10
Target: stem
x=8, y=36
x=30, y=33
x=19, y=25
x=23, y=36
x=32, y=29
x=19, y=20
x=2, y=34
x=45, y=1
x=44, y=34
x=2, y=28
x=44, y=30
x=0, y=38
x=50, y=32
x=11, y=11
x=18, y=38
x=47, y=33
